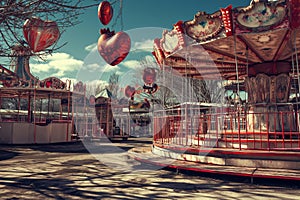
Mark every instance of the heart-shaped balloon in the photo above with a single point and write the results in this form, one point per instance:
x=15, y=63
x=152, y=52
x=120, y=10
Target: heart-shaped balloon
x=105, y=12
x=40, y=34
x=113, y=47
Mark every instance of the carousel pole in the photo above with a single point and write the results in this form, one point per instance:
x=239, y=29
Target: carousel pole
x=34, y=111
x=172, y=83
x=68, y=116
x=297, y=67
x=236, y=68
x=181, y=100
x=247, y=62
x=29, y=116
x=247, y=65
x=164, y=80
x=190, y=131
x=186, y=105
x=61, y=107
x=295, y=92
x=0, y=105
x=297, y=63
x=238, y=92
x=73, y=123
x=19, y=103
x=85, y=114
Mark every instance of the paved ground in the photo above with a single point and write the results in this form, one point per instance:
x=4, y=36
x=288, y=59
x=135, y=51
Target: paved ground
x=70, y=171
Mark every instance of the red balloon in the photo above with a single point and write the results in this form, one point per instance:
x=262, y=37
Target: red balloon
x=113, y=47
x=129, y=91
x=40, y=34
x=48, y=84
x=105, y=12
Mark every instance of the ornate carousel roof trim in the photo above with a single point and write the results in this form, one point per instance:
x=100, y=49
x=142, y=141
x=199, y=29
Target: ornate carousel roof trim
x=264, y=31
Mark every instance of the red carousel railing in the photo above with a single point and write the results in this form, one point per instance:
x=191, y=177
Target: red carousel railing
x=231, y=130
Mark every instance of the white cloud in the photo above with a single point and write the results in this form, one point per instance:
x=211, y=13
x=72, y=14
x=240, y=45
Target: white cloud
x=119, y=73
x=92, y=87
x=109, y=68
x=96, y=82
x=59, y=63
x=92, y=67
x=58, y=56
x=73, y=80
x=137, y=64
x=40, y=67
x=58, y=74
x=131, y=64
x=143, y=45
x=70, y=81
x=91, y=47
x=68, y=64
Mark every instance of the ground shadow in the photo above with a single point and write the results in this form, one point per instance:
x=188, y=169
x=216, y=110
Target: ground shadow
x=5, y=155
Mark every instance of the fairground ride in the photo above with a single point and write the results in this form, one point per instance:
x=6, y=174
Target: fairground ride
x=32, y=110
x=255, y=49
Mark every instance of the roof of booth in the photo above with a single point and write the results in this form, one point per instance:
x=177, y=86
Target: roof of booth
x=105, y=93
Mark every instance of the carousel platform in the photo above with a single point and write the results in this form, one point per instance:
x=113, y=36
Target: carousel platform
x=185, y=162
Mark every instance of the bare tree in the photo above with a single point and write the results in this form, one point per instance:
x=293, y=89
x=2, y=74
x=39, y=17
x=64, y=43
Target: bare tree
x=165, y=96
x=13, y=14
x=113, y=84
x=208, y=91
x=95, y=87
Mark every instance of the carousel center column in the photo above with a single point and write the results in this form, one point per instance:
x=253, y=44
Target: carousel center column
x=268, y=87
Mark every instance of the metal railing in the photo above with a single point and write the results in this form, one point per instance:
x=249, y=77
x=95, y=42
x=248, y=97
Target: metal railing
x=234, y=130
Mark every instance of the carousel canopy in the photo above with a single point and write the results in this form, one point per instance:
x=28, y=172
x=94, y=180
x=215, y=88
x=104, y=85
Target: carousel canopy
x=263, y=37
x=22, y=77
x=6, y=74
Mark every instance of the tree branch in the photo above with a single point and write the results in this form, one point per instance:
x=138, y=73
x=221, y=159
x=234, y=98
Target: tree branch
x=13, y=13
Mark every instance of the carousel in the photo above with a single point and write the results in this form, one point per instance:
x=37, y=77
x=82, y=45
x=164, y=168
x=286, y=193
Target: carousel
x=35, y=111
x=254, y=52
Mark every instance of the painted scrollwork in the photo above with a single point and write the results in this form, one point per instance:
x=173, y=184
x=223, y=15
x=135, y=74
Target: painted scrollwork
x=263, y=86
x=204, y=26
x=261, y=16
x=268, y=89
x=173, y=40
x=53, y=82
x=282, y=88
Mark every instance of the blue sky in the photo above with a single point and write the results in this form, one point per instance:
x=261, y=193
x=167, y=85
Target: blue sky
x=139, y=14
x=144, y=20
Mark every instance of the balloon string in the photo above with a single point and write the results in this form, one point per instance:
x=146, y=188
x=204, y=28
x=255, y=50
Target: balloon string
x=119, y=16
x=112, y=3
